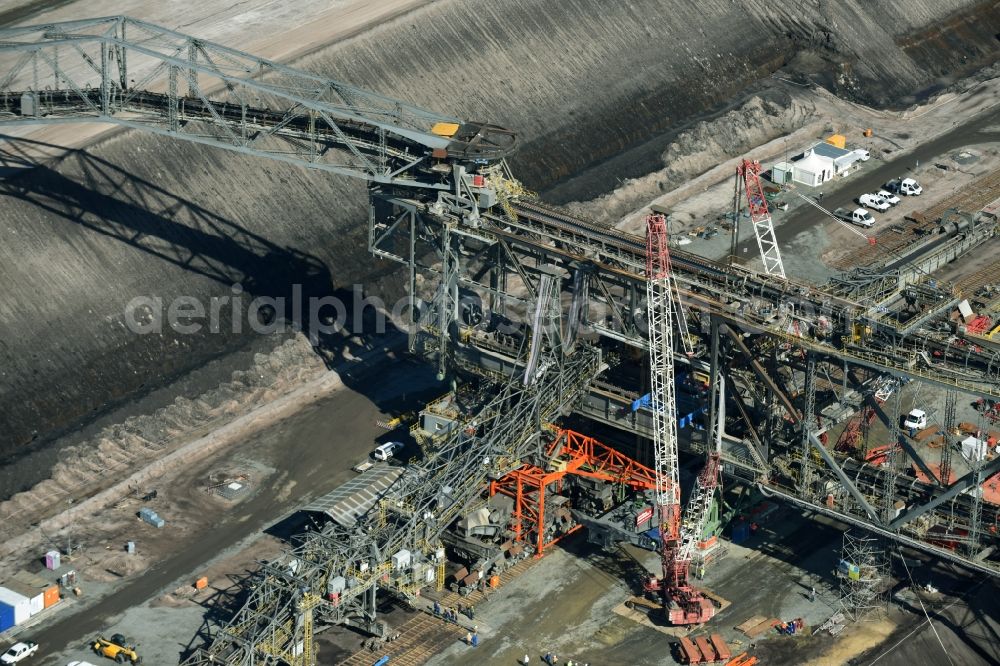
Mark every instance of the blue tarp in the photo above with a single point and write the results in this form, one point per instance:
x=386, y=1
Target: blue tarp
x=682, y=422
x=640, y=403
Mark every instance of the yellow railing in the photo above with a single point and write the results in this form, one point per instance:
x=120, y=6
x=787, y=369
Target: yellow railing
x=277, y=643
x=366, y=577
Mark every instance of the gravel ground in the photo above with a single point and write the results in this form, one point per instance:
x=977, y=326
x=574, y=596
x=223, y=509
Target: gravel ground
x=291, y=459
x=566, y=604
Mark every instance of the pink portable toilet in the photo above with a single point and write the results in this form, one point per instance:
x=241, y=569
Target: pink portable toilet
x=52, y=560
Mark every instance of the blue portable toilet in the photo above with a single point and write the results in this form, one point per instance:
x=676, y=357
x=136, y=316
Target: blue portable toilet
x=741, y=532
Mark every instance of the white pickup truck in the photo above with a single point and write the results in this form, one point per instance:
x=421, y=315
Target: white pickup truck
x=18, y=652
x=891, y=198
x=858, y=216
x=873, y=201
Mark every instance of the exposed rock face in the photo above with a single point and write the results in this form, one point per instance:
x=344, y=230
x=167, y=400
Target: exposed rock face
x=580, y=80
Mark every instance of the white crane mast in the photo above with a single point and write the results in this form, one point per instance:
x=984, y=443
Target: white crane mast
x=663, y=403
x=700, y=503
x=682, y=603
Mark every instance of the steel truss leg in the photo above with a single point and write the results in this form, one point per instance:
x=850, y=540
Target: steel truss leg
x=713, y=377
x=808, y=425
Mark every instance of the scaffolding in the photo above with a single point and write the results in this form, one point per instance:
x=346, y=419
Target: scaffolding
x=944, y=470
x=863, y=574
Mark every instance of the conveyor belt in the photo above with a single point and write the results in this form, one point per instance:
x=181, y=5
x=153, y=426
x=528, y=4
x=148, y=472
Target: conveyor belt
x=724, y=290
x=472, y=141
x=634, y=247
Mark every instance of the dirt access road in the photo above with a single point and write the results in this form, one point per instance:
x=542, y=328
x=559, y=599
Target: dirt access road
x=311, y=453
x=978, y=130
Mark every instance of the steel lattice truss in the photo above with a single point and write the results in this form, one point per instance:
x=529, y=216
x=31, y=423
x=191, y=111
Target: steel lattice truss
x=703, y=494
x=428, y=498
x=140, y=75
x=663, y=403
x=770, y=254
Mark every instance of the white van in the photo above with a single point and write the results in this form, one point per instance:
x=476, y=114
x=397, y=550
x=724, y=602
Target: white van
x=906, y=186
x=387, y=450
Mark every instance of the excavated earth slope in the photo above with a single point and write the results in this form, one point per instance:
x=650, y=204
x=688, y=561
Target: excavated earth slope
x=580, y=80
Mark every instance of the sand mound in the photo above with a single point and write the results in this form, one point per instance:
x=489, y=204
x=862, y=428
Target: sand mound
x=704, y=146
x=118, y=450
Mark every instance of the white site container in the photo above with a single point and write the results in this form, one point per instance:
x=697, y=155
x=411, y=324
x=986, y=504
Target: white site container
x=36, y=597
x=401, y=560
x=973, y=449
x=336, y=585
x=20, y=603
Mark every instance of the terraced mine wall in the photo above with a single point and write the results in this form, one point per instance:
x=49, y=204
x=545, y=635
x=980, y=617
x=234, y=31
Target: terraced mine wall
x=580, y=80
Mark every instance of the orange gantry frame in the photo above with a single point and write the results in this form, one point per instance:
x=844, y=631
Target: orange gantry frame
x=569, y=453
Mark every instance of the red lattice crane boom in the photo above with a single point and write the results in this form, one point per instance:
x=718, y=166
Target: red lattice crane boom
x=748, y=172
x=682, y=603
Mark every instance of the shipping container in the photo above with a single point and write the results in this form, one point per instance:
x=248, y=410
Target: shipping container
x=47, y=588
x=20, y=603
x=782, y=173
x=151, y=517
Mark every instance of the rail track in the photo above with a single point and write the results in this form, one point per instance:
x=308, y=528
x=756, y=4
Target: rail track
x=973, y=282
x=971, y=198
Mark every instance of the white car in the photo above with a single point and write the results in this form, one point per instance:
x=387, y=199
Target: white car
x=873, y=201
x=862, y=154
x=888, y=196
x=387, y=450
x=915, y=420
x=79, y=663
x=18, y=652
